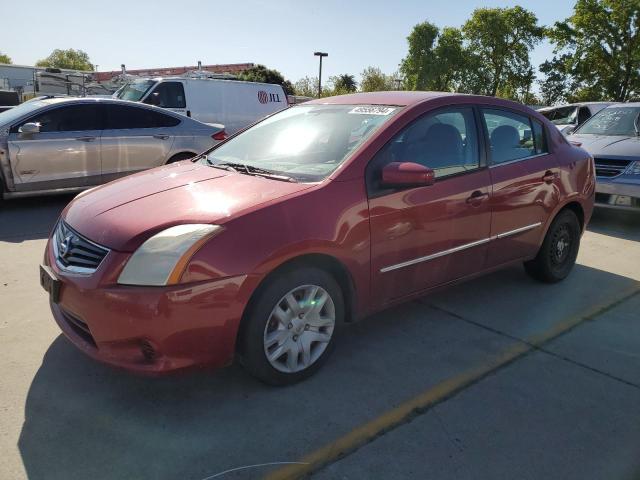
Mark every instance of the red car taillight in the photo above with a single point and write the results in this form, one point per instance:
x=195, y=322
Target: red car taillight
x=221, y=135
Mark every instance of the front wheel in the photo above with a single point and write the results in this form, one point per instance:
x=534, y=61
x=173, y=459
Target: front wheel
x=291, y=328
x=558, y=252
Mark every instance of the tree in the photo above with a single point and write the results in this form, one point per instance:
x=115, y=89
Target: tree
x=600, y=50
x=554, y=87
x=373, y=80
x=260, y=73
x=498, y=42
x=306, y=87
x=344, y=83
x=5, y=58
x=71, y=59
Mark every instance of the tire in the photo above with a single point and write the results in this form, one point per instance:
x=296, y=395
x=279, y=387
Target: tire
x=180, y=156
x=282, y=322
x=558, y=252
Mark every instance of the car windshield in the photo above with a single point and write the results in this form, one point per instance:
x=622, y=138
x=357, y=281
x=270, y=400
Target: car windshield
x=15, y=113
x=612, y=121
x=134, y=91
x=562, y=115
x=306, y=143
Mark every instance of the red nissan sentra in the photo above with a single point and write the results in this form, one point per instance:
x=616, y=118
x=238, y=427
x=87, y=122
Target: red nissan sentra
x=316, y=216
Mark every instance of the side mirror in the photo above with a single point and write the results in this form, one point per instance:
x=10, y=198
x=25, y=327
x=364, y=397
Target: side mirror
x=407, y=174
x=29, y=128
x=153, y=99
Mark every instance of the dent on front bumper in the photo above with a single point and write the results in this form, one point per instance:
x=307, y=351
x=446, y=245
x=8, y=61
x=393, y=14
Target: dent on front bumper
x=152, y=330
x=622, y=192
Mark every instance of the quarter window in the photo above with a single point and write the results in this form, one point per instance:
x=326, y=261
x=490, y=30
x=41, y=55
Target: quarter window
x=126, y=117
x=167, y=95
x=445, y=141
x=510, y=135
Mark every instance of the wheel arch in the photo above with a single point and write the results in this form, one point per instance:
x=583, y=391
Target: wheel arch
x=182, y=155
x=328, y=263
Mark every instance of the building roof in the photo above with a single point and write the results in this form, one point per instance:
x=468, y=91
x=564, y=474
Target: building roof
x=164, y=71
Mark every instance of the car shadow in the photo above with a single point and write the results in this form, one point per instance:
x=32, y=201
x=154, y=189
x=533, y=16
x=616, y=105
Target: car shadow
x=30, y=218
x=86, y=420
x=616, y=223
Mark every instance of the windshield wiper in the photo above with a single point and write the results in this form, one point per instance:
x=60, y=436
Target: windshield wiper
x=251, y=170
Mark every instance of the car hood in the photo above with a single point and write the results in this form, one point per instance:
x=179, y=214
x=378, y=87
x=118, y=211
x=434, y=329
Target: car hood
x=123, y=214
x=609, y=145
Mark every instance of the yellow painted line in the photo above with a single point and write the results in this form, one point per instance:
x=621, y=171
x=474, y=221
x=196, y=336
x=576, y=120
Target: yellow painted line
x=390, y=419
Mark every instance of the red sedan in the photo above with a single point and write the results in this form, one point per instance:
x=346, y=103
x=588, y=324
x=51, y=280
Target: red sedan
x=321, y=214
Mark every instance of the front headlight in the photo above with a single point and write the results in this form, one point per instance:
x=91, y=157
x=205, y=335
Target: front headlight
x=161, y=260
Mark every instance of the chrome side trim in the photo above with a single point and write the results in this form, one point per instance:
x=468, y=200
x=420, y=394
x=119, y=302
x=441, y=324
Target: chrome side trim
x=433, y=256
x=517, y=230
x=516, y=160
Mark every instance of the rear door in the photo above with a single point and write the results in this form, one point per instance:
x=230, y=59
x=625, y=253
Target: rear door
x=64, y=154
x=524, y=175
x=426, y=236
x=134, y=139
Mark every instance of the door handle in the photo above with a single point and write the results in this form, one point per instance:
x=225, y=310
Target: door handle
x=161, y=136
x=477, y=197
x=549, y=176
x=86, y=139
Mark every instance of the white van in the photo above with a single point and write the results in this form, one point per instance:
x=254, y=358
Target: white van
x=233, y=103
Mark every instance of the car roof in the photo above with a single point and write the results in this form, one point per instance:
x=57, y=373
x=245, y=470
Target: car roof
x=578, y=104
x=399, y=98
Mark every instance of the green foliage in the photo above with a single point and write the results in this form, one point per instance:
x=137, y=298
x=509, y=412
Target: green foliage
x=488, y=56
x=262, y=74
x=599, y=47
x=498, y=41
x=306, y=87
x=435, y=59
x=71, y=59
x=344, y=83
x=373, y=80
x=5, y=58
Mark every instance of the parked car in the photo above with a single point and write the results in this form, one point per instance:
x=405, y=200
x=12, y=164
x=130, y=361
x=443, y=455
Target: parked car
x=318, y=215
x=569, y=117
x=8, y=100
x=612, y=136
x=234, y=103
x=58, y=145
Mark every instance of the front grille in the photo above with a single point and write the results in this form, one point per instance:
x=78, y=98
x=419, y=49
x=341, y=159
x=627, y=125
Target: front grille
x=79, y=327
x=608, y=167
x=74, y=252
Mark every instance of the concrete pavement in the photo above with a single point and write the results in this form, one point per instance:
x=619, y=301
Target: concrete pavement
x=568, y=411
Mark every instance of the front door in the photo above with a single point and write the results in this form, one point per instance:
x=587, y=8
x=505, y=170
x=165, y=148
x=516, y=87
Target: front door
x=524, y=174
x=64, y=154
x=427, y=236
x=135, y=139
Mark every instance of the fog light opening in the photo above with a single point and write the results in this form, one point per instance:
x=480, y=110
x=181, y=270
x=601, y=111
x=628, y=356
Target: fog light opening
x=148, y=351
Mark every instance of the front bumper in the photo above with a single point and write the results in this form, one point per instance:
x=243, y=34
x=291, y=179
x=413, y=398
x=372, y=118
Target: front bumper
x=150, y=330
x=622, y=193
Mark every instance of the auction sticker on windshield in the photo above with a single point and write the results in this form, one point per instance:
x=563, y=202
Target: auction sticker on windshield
x=372, y=110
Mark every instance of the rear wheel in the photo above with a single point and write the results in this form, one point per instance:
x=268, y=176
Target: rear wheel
x=291, y=329
x=558, y=252
x=180, y=156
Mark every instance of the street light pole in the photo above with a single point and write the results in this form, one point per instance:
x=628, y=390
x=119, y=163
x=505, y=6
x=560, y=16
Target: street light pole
x=320, y=54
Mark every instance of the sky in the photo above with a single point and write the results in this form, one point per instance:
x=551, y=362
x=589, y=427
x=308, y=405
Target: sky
x=281, y=34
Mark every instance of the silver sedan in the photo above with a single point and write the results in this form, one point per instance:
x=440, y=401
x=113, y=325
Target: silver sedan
x=58, y=145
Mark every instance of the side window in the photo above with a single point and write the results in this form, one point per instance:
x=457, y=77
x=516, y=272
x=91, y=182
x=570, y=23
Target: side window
x=510, y=135
x=167, y=95
x=72, y=118
x=539, y=139
x=445, y=141
x=583, y=115
x=125, y=117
